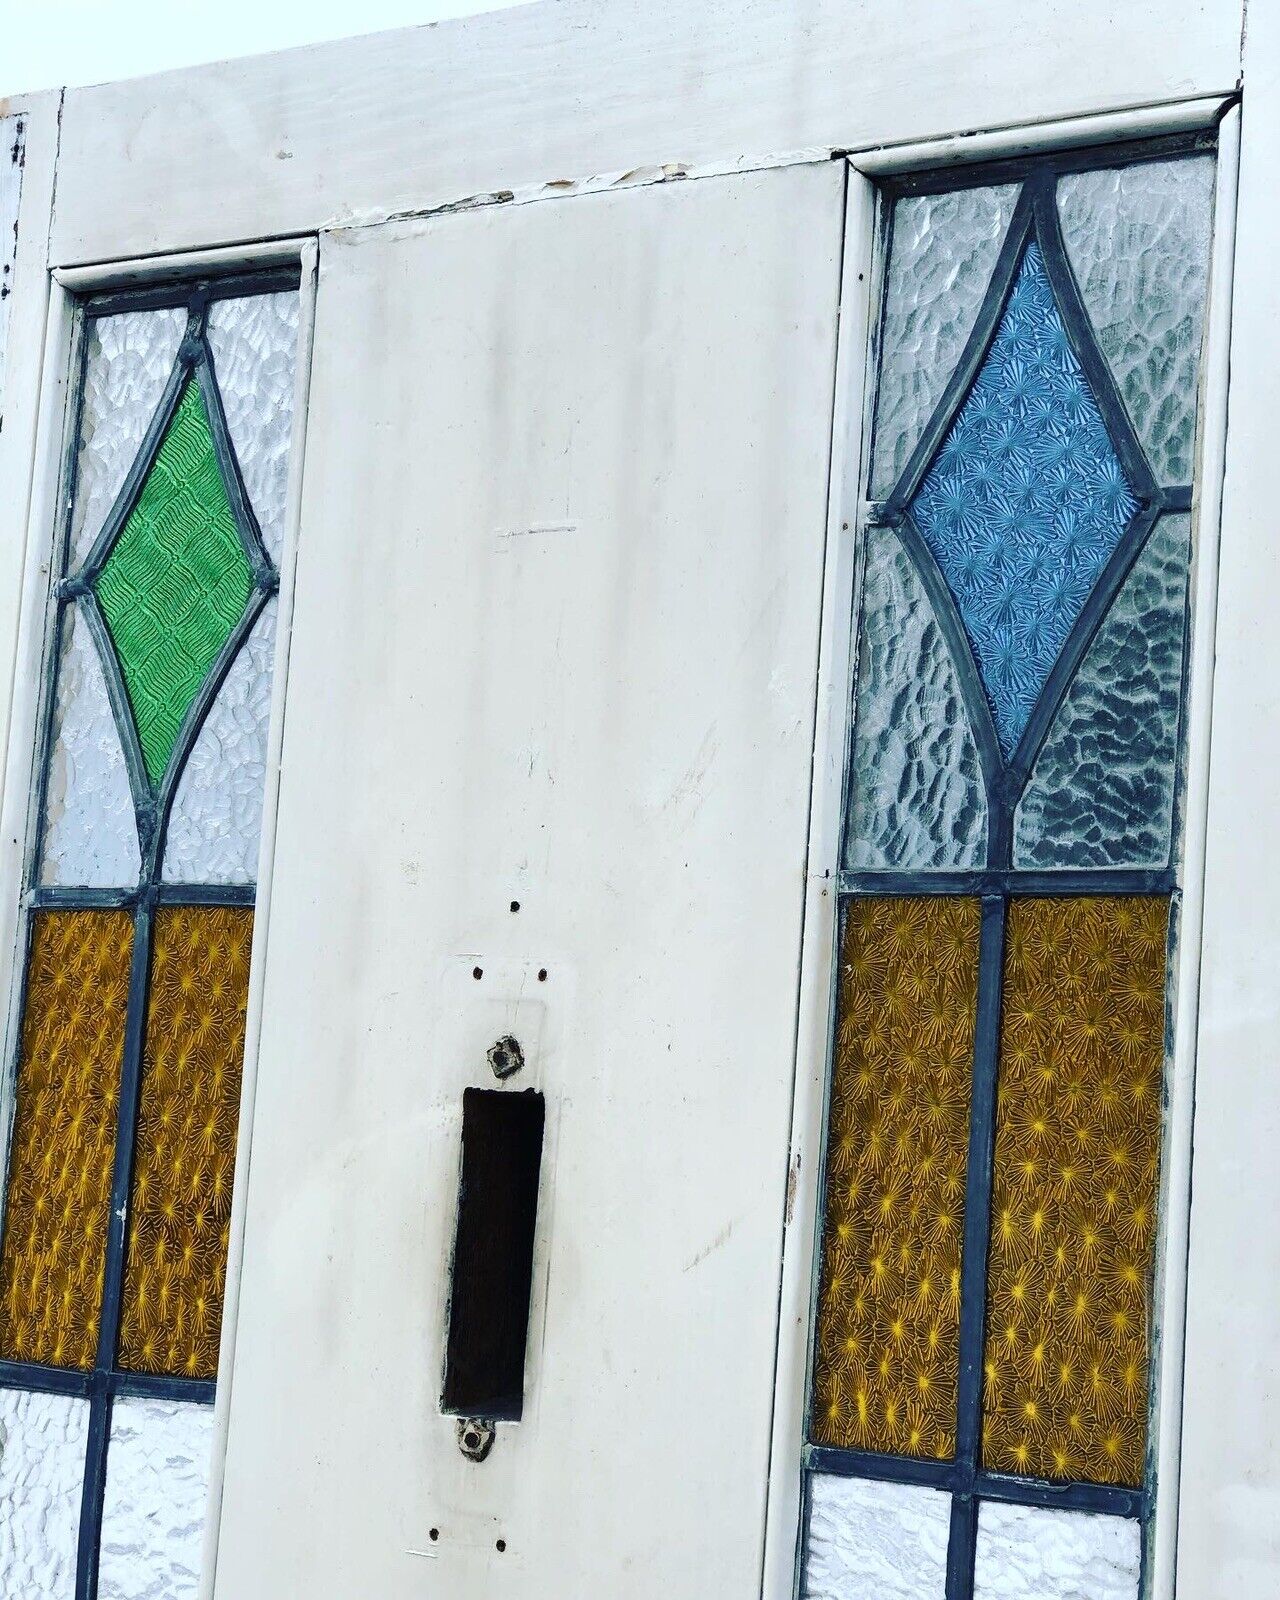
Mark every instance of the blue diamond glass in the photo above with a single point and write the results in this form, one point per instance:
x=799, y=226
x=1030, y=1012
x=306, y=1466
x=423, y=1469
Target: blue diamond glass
x=1024, y=502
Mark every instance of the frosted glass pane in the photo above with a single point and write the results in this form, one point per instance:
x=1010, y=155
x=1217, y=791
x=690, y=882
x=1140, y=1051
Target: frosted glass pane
x=254, y=343
x=1025, y=1553
x=128, y=361
x=91, y=837
x=942, y=253
x=1101, y=792
x=916, y=797
x=876, y=1541
x=1138, y=238
x=217, y=811
x=153, y=1510
x=42, y=1442
x=10, y=189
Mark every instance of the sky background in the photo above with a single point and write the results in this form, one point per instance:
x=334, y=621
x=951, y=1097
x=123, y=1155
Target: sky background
x=47, y=43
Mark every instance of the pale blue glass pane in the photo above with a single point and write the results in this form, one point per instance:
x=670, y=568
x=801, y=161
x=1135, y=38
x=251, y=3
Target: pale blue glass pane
x=1138, y=239
x=1024, y=502
x=1102, y=790
x=942, y=253
x=916, y=796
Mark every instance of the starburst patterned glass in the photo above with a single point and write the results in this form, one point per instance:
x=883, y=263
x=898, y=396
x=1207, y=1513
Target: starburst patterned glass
x=63, y=1147
x=1073, y=1209
x=180, y=1209
x=889, y=1308
x=1025, y=502
x=176, y=582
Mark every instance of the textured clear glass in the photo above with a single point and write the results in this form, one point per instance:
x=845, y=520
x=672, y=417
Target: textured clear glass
x=1027, y=1553
x=1138, y=239
x=127, y=364
x=1102, y=790
x=916, y=796
x=942, y=253
x=216, y=820
x=154, y=1505
x=1024, y=502
x=254, y=345
x=875, y=1541
x=90, y=837
x=42, y=1443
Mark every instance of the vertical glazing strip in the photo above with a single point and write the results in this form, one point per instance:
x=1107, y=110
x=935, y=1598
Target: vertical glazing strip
x=977, y=1233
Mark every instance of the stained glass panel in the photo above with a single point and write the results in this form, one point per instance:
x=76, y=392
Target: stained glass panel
x=1025, y=501
x=916, y=797
x=90, y=833
x=1028, y=1553
x=64, y=1136
x=1102, y=790
x=128, y=359
x=154, y=1507
x=176, y=582
x=180, y=1209
x=1074, y=1198
x=943, y=251
x=875, y=1541
x=1138, y=239
x=888, y=1319
x=42, y=1451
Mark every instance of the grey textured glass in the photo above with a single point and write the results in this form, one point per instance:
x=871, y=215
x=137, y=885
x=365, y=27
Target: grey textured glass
x=254, y=344
x=154, y=1504
x=1138, y=239
x=1028, y=1553
x=90, y=835
x=127, y=364
x=1102, y=790
x=916, y=796
x=216, y=819
x=42, y=1445
x=941, y=255
x=875, y=1541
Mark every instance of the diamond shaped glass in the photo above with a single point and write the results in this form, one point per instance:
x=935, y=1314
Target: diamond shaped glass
x=176, y=582
x=1024, y=502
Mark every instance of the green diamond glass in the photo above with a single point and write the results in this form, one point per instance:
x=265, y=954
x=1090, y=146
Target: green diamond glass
x=176, y=582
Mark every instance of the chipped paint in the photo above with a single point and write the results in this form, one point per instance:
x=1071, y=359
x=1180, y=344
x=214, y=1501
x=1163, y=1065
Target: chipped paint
x=12, y=132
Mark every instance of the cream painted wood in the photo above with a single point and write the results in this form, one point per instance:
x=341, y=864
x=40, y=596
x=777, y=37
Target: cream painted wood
x=1229, y=1532
x=558, y=93
x=555, y=641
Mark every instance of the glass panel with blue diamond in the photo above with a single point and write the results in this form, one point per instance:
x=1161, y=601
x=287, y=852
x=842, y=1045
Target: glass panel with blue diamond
x=1025, y=501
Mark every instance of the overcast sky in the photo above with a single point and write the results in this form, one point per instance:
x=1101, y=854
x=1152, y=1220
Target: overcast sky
x=44, y=43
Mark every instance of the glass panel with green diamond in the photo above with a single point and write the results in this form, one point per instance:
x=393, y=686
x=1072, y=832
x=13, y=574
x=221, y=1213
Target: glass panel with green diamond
x=176, y=582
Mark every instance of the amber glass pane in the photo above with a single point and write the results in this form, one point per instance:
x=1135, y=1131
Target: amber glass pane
x=64, y=1136
x=181, y=1204
x=1073, y=1207
x=889, y=1308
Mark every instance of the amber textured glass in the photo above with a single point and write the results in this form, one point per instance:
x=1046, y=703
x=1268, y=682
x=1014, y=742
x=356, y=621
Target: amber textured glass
x=887, y=1353
x=1077, y=1159
x=186, y=1148
x=64, y=1136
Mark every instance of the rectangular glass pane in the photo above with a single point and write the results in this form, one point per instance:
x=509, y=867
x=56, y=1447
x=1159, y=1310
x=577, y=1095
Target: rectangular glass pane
x=154, y=1506
x=1077, y=1157
x=875, y=1541
x=42, y=1443
x=64, y=1136
x=887, y=1355
x=180, y=1208
x=1025, y=1553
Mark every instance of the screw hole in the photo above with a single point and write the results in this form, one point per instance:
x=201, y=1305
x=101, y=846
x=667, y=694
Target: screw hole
x=477, y=972
x=502, y=1545
x=515, y=905
x=542, y=974
x=433, y=1534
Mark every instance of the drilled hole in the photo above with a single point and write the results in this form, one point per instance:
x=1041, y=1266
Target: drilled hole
x=542, y=974
x=477, y=972
x=502, y=1545
x=515, y=905
x=433, y=1534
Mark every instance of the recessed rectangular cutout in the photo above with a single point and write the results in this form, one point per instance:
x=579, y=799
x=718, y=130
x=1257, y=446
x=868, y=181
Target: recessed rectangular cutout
x=493, y=1253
